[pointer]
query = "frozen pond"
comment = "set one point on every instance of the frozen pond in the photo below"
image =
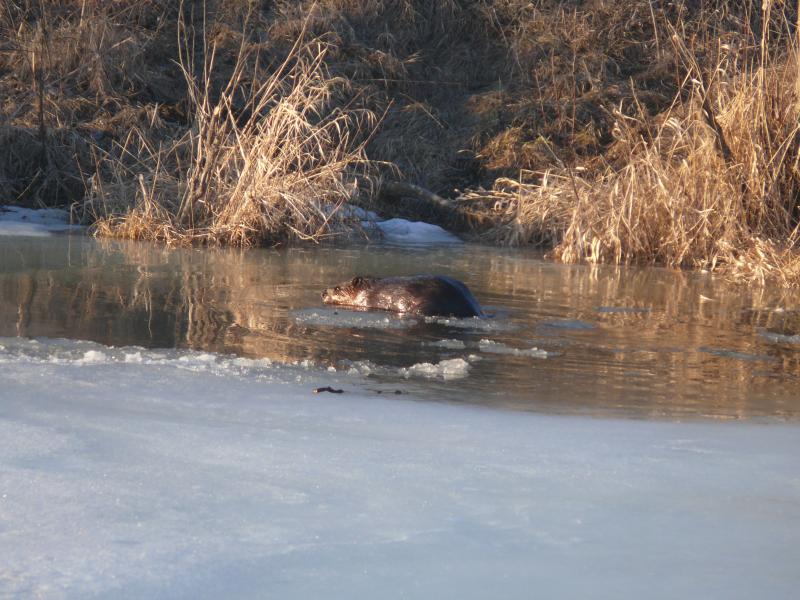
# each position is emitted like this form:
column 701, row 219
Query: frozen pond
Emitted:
column 561, row 339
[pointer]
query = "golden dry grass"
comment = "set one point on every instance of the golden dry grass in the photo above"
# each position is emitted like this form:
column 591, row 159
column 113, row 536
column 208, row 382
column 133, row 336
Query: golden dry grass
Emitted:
column 278, row 171
column 713, row 185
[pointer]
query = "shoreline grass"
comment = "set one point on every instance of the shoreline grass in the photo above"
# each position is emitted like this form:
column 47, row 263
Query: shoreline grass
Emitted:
column 713, row 183
column 650, row 133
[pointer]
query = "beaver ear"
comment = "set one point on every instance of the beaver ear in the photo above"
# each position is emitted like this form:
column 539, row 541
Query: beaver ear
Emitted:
column 357, row 281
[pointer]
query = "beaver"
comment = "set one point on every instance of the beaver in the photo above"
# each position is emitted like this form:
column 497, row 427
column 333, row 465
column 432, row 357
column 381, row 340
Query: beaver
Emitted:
column 430, row 295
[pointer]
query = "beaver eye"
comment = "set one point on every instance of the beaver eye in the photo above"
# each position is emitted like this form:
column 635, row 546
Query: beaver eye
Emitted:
column 357, row 281
column 337, row 289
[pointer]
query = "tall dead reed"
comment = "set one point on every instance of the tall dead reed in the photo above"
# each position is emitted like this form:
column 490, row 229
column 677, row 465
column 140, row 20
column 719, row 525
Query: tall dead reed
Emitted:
column 266, row 161
column 714, row 184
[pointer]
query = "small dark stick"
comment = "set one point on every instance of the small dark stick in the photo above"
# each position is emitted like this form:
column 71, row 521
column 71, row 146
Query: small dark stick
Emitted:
column 327, row 388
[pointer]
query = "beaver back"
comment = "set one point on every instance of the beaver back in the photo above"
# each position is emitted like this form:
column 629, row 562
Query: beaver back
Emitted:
column 428, row 295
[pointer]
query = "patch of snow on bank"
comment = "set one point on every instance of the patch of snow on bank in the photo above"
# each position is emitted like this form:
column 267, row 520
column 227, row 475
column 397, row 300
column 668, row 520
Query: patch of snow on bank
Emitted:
column 149, row 476
column 351, row 211
column 15, row 220
column 401, row 231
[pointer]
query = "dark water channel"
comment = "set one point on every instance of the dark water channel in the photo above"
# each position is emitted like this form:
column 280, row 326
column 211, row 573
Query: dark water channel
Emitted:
column 633, row 342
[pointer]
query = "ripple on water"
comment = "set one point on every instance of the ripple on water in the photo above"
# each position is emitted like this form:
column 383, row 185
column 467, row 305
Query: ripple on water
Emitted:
column 627, row 343
column 569, row 324
column 446, row 369
column 622, row 309
column 780, row 338
column 450, row 344
column 488, row 324
column 353, row 319
column 499, row 348
column 329, row 317
column 734, row 354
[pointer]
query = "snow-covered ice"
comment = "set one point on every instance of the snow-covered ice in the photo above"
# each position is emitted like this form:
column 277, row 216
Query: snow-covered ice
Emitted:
column 15, row 220
column 133, row 473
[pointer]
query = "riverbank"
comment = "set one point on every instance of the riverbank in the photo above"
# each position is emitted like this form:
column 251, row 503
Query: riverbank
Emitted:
column 623, row 134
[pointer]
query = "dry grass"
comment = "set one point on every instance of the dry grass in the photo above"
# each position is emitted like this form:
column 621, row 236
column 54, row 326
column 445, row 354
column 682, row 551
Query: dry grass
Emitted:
column 637, row 132
column 67, row 70
column 713, row 184
column 276, row 170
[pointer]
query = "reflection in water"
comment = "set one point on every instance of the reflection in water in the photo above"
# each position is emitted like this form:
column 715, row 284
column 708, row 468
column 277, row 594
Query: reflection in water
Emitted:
column 563, row 338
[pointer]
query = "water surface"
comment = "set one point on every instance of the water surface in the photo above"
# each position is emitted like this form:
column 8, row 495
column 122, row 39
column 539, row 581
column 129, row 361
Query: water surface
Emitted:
column 561, row 338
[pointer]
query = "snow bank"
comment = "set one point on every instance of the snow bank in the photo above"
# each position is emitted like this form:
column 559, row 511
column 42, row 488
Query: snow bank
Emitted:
column 401, row 231
column 15, row 220
column 131, row 473
column 396, row 231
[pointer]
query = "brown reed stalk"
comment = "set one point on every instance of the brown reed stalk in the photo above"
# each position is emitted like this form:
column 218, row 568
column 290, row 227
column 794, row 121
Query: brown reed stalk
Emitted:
column 272, row 169
column 715, row 188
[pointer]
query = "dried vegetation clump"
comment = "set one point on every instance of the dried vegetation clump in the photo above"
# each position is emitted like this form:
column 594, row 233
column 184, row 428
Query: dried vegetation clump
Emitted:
column 636, row 132
column 277, row 168
column 711, row 182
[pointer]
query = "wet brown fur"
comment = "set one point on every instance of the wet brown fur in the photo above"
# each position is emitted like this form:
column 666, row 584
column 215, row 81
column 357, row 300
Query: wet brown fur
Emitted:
column 429, row 295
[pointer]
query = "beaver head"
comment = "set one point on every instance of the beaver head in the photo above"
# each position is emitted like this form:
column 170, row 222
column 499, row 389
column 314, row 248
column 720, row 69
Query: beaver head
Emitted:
column 350, row 293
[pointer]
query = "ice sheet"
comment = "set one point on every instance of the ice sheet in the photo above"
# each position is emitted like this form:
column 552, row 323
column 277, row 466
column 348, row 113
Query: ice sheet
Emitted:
column 132, row 473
